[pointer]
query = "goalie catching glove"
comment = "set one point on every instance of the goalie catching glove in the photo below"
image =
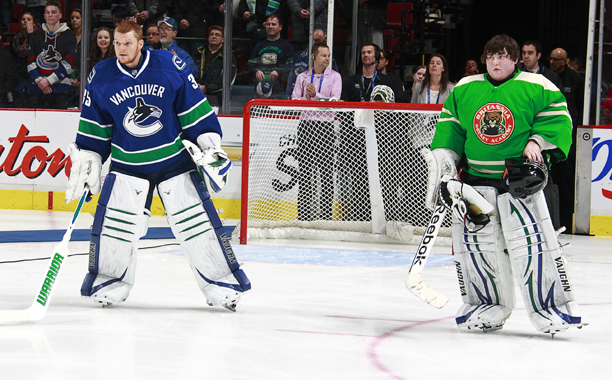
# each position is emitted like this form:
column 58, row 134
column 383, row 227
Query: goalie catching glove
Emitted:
column 212, row 162
column 85, row 172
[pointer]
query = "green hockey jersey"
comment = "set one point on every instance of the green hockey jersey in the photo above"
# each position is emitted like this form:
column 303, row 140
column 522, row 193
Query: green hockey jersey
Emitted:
column 485, row 124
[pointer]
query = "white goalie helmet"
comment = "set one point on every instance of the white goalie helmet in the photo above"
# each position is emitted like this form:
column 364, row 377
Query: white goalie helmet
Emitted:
column 382, row 93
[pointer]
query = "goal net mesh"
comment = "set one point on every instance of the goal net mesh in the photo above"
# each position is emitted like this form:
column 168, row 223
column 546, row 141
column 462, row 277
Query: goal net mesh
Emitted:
column 336, row 171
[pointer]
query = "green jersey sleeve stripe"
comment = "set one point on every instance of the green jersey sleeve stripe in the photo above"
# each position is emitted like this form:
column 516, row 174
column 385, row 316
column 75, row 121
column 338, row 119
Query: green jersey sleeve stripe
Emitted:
column 553, row 113
column 198, row 120
column 95, row 130
column 194, row 114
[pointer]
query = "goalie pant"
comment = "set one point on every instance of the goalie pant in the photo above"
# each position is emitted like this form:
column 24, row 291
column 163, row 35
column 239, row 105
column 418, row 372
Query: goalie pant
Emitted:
column 485, row 268
column 122, row 218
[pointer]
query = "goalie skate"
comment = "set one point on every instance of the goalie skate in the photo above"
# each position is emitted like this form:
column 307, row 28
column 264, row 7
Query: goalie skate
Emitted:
column 482, row 317
column 221, row 296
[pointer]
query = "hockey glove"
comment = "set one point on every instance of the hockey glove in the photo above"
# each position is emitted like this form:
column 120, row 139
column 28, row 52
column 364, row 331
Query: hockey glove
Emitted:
column 212, row 162
column 440, row 162
column 85, row 171
column 466, row 203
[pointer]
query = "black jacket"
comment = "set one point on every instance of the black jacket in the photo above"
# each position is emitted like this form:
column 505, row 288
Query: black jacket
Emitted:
column 573, row 89
column 210, row 73
column 352, row 90
column 8, row 75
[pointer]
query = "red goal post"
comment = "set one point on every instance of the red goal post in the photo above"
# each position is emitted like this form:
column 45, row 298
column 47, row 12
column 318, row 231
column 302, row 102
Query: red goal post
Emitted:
column 332, row 170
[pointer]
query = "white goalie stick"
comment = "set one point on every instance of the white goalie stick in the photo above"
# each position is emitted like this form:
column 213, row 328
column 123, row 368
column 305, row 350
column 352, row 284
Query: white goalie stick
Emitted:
column 414, row 281
column 468, row 205
column 39, row 307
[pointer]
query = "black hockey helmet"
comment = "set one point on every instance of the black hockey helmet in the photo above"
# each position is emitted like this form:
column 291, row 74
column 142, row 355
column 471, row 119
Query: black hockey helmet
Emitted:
column 524, row 177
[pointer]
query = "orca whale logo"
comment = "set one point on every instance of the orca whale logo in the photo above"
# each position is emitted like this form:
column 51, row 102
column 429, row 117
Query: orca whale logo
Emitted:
column 49, row 59
column 135, row 118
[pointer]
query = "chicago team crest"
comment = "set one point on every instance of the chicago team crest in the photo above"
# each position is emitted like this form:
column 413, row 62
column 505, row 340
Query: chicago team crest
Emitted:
column 135, row 118
column 493, row 123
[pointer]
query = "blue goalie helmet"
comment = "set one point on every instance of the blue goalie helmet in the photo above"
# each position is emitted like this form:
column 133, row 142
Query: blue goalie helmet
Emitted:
column 264, row 89
column 524, row 177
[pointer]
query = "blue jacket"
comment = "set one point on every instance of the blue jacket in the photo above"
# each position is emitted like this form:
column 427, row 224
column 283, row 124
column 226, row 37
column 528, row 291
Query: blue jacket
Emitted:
column 182, row 54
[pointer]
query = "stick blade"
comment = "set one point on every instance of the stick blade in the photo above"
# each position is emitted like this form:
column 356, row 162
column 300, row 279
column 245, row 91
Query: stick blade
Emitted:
column 415, row 284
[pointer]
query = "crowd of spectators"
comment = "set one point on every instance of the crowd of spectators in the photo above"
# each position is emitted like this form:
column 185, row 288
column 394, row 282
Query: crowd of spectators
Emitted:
column 272, row 50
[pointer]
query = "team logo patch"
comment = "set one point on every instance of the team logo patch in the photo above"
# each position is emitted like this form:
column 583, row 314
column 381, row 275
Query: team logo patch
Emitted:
column 91, row 75
column 178, row 63
column 493, row 123
column 49, row 59
column 143, row 119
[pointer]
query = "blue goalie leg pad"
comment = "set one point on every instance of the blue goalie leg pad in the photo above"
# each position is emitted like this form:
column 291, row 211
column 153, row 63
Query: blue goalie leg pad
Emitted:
column 222, row 237
column 96, row 229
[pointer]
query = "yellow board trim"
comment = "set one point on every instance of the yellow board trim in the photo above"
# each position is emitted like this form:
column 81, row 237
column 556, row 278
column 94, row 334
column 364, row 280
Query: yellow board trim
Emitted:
column 39, row 200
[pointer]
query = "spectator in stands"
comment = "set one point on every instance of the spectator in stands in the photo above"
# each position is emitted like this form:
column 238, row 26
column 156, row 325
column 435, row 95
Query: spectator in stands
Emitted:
column 146, row 11
column 398, row 84
column 101, row 47
column 152, row 37
column 272, row 59
column 316, row 137
column 358, row 87
column 192, row 18
column 302, row 62
column 120, row 14
column 217, row 16
column 531, row 53
column 167, row 31
column 6, row 11
column 35, row 7
column 210, row 66
column 8, row 76
column 418, row 75
column 300, row 18
column 436, row 82
column 20, row 45
column 75, row 23
column 471, row 68
column 51, row 61
column 563, row 173
column 576, row 64
column 256, row 12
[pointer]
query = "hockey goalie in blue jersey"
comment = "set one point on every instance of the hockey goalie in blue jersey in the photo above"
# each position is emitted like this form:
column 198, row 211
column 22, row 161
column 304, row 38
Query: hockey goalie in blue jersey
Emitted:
column 142, row 109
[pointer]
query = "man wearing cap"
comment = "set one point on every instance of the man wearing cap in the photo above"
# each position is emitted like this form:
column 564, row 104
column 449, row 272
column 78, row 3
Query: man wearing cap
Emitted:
column 167, row 31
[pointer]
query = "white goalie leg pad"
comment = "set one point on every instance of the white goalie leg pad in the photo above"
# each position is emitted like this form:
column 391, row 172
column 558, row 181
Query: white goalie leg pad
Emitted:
column 483, row 271
column 192, row 226
column 119, row 223
column 537, row 263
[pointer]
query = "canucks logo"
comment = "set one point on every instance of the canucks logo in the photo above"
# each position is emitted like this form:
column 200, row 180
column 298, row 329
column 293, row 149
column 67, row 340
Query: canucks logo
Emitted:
column 178, row 63
column 49, row 59
column 136, row 118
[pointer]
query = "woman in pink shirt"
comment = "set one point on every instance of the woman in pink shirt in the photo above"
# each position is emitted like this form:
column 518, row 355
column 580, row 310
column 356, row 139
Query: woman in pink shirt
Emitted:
column 316, row 137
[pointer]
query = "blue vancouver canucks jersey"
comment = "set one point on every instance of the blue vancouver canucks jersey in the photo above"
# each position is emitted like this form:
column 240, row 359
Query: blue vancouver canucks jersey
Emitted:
column 139, row 116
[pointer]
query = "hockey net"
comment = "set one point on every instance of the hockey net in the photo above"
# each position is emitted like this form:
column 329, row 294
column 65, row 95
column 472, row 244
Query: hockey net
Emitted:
column 336, row 171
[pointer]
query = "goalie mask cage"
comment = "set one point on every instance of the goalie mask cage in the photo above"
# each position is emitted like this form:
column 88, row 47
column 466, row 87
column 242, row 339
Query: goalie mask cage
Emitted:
column 331, row 170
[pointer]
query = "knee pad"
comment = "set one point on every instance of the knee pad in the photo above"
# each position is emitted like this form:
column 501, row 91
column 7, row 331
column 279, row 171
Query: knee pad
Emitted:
column 195, row 223
column 120, row 221
column 537, row 262
column 483, row 271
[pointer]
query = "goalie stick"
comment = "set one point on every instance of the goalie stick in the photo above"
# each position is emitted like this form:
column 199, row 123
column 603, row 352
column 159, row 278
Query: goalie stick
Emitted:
column 414, row 281
column 37, row 311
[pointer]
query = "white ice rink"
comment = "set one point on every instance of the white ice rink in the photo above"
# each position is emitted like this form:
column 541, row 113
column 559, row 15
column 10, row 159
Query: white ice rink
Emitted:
column 316, row 311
